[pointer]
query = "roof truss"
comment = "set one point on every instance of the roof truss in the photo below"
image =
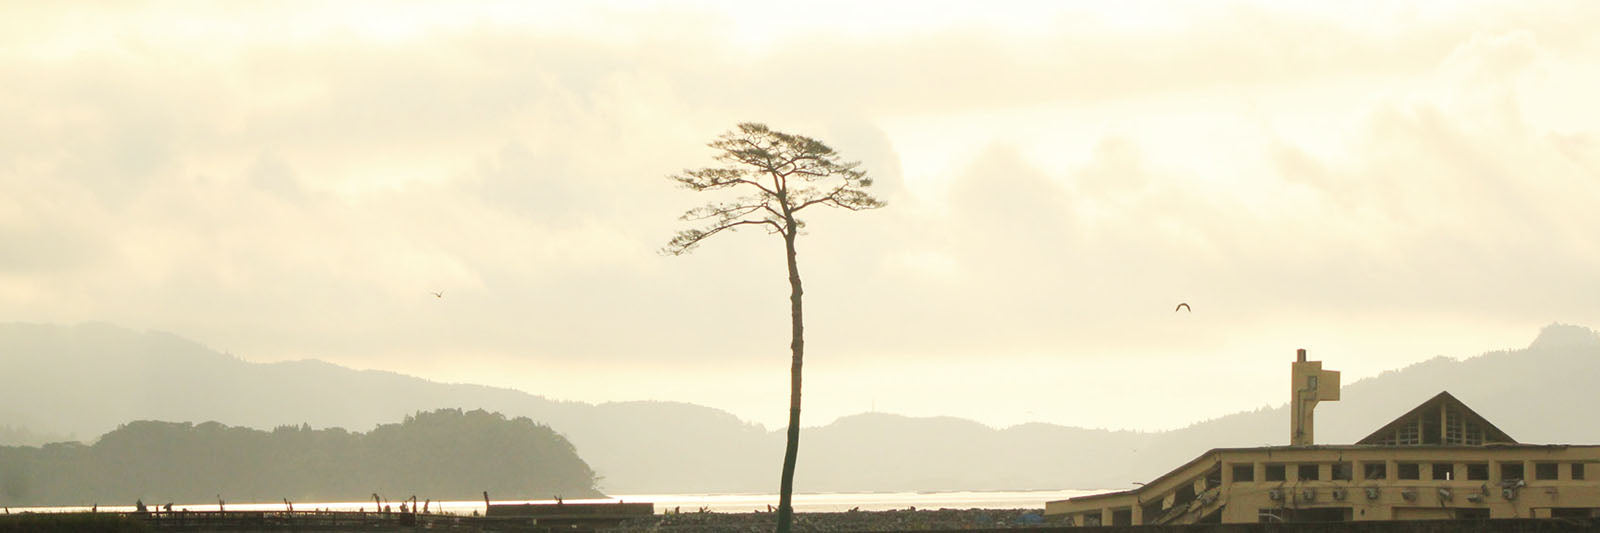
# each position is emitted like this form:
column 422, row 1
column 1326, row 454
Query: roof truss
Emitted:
column 1442, row 420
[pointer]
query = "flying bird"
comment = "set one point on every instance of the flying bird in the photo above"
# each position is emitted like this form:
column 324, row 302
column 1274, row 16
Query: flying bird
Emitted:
column 1184, row 305
column 437, row 294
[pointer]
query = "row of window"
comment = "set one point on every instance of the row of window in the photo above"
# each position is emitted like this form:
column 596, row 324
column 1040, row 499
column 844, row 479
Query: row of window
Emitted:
column 1246, row 472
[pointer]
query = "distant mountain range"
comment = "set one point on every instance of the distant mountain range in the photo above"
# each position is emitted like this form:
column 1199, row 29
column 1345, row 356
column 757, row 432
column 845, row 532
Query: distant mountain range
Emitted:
column 85, row 380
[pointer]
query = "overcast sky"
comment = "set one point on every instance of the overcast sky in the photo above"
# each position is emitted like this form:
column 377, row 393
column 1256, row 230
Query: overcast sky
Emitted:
column 1377, row 183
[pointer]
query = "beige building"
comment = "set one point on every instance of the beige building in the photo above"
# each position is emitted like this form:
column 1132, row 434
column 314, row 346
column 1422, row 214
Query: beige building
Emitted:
column 1441, row 460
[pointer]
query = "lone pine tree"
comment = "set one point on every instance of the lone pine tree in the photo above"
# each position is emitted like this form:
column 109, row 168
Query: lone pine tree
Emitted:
column 777, row 175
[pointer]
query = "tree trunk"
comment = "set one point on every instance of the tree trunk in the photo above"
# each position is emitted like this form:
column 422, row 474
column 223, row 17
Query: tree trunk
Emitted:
column 797, row 347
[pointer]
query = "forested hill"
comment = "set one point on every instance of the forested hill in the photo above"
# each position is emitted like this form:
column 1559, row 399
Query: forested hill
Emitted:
column 446, row 454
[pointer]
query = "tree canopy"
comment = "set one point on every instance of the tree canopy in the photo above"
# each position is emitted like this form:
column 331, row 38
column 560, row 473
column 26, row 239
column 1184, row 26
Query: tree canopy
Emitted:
column 779, row 174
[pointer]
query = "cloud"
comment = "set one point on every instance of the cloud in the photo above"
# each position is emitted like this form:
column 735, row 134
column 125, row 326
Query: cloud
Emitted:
column 272, row 174
column 289, row 184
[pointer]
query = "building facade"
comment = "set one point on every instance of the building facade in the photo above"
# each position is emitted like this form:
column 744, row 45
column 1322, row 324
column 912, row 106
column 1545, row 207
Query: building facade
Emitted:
column 1440, row 460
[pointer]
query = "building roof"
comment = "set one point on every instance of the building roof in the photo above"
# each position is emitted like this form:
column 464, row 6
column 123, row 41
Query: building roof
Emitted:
column 1473, row 431
column 1442, row 419
column 1216, row 455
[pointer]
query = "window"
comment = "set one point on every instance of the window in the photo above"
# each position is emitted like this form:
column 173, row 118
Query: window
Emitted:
column 1342, row 471
column 1444, row 471
column 1431, row 431
column 1407, row 434
column 1577, row 471
column 1453, row 428
column 1375, row 470
column 1474, row 434
column 1122, row 517
column 1477, row 472
column 1307, row 472
column 1510, row 471
column 1244, row 473
column 1275, row 473
column 1545, row 471
column 1183, row 495
column 1409, row 471
column 1151, row 509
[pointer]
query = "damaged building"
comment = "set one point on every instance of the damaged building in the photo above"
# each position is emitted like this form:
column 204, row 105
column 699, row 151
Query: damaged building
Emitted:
column 1440, row 460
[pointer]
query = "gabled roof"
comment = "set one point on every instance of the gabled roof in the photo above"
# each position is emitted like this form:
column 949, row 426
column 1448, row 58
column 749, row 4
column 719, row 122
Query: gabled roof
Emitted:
column 1442, row 420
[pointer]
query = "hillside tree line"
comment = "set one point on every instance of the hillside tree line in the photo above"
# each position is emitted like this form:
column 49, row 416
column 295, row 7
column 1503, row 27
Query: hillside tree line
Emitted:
column 447, row 454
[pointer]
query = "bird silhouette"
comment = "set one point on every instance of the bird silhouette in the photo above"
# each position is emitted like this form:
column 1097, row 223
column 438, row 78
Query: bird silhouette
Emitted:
column 1184, row 305
column 437, row 294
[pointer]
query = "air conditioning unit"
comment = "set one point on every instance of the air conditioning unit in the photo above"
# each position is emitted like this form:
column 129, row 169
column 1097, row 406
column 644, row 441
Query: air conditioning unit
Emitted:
column 1338, row 494
column 1372, row 493
column 1475, row 498
column 1308, row 495
column 1444, row 494
column 1275, row 495
column 1409, row 495
column 1509, row 493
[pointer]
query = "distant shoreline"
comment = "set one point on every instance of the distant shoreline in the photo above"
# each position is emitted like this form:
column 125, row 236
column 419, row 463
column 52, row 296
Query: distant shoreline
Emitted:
column 736, row 503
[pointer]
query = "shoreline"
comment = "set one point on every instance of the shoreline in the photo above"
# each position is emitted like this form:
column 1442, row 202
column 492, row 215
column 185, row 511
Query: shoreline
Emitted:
column 911, row 519
column 724, row 503
column 978, row 519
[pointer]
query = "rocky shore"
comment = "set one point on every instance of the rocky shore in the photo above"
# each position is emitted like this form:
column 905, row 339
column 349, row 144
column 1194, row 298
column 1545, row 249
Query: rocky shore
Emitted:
column 894, row 520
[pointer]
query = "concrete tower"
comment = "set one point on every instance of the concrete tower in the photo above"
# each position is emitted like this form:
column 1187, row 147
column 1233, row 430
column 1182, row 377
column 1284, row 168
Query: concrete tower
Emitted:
column 1308, row 384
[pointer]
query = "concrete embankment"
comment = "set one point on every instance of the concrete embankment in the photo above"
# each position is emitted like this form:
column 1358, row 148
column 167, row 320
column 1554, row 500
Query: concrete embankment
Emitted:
column 895, row 520
column 1006, row 520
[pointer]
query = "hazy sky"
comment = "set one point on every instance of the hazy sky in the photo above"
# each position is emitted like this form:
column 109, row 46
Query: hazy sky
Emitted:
column 1379, row 184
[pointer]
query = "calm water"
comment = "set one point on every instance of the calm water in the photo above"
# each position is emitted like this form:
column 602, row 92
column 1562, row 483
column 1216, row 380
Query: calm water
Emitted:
column 720, row 503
